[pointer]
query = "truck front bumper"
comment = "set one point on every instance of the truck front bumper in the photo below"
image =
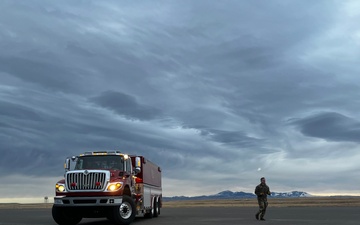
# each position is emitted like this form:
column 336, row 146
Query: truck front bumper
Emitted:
column 87, row 201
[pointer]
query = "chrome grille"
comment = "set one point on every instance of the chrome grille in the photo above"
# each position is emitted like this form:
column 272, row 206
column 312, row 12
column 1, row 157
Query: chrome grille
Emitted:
column 85, row 180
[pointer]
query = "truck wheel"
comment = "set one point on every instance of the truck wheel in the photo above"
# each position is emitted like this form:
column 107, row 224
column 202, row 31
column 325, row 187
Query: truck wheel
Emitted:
column 124, row 213
column 65, row 216
column 156, row 208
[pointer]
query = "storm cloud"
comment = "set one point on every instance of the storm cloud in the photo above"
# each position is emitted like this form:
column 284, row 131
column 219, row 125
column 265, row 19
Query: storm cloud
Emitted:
column 330, row 126
column 207, row 91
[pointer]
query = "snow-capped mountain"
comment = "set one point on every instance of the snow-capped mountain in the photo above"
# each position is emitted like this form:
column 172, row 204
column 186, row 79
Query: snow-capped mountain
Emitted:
column 292, row 194
column 239, row 195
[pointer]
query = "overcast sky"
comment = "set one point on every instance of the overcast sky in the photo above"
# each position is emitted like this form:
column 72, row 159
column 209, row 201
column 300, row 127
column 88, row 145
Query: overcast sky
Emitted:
column 218, row 93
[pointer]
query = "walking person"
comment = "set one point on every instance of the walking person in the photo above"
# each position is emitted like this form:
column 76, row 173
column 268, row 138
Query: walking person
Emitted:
column 262, row 191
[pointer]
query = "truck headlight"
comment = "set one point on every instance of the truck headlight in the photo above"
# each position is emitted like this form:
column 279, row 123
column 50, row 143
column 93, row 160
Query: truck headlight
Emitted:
column 59, row 187
column 114, row 186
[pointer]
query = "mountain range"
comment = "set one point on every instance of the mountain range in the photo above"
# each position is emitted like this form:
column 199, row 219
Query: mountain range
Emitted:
column 239, row 195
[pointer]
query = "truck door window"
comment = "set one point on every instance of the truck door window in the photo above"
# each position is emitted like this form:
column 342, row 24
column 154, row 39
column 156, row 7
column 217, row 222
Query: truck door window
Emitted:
column 128, row 166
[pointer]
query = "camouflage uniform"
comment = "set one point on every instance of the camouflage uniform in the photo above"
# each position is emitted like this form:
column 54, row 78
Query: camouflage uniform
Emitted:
column 262, row 191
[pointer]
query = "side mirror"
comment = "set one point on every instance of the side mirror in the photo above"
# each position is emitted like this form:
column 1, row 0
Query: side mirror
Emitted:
column 137, row 165
column 137, row 170
column 67, row 165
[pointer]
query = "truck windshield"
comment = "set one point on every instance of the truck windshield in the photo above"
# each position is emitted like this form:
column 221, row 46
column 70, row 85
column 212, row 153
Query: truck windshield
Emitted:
column 100, row 162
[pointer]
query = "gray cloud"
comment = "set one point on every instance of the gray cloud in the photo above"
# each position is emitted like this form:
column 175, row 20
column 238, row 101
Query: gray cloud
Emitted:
column 232, row 138
column 126, row 105
column 47, row 75
column 8, row 109
column 330, row 126
column 218, row 89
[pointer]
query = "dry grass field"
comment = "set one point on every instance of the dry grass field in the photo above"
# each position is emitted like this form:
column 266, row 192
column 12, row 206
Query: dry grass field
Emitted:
column 273, row 202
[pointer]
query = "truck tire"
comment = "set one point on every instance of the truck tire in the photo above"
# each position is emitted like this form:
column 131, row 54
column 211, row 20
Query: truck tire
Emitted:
column 65, row 216
column 124, row 213
column 156, row 208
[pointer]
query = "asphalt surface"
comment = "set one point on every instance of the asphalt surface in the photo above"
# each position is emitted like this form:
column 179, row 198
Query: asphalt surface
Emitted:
column 206, row 216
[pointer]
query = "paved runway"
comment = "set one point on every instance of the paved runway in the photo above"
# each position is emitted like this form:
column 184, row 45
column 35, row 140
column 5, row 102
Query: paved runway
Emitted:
column 206, row 216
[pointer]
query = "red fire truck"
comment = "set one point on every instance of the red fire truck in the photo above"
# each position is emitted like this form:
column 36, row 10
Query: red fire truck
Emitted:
column 107, row 184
